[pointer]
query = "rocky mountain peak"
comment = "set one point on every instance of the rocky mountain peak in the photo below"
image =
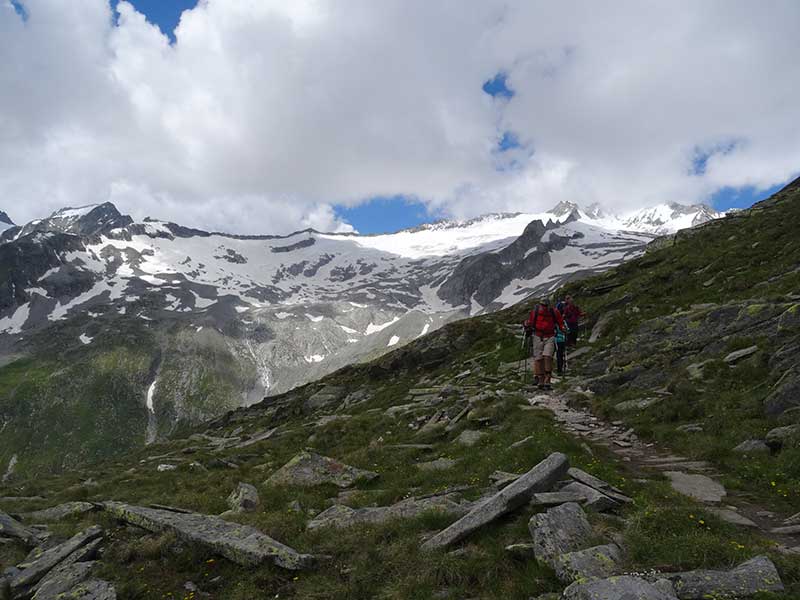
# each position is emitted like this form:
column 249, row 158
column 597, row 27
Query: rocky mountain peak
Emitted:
column 5, row 219
column 564, row 208
column 89, row 220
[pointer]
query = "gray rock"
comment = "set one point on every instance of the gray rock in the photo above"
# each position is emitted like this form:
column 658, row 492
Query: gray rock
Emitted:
column 93, row 589
column 241, row 544
column 599, row 485
column 600, row 326
column 62, row 511
column 67, row 570
column 470, row 437
column 787, row 530
column 733, row 517
column 325, row 397
column 501, row 479
column 777, row 437
column 344, row 516
column 556, row 498
column 751, row 447
column 699, row 487
column 540, row 478
column 440, row 464
column 244, row 498
column 756, row 575
column 740, row 354
column 690, row 428
column 62, row 580
column 785, row 397
column 11, row 528
column 593, row 563
column 631, row 405
column 560, row 530
column 309, row 469
column 695, row 370
column 32, row 572
column 624, row 587
column 592, row 498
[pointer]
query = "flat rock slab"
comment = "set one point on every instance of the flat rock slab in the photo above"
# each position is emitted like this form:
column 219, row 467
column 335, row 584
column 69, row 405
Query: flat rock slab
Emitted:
column 440, row 464
column 62, row 580
column 62, row 511
column 241, row 544
column 470, row 437
column 756, row 575
column 93, row 589
column 740, row 354
column 344, row 516
column 309, row 469
column 560, row 530
column 699, row 487
column 751, row 447
column 593, row 563
column 600, row 485
column 540, row 478
column 618, row 588
column 11, row 528
column 733, row 517
column 35, row 570
column 592, row 498
column 556, row 498
column 631, row 405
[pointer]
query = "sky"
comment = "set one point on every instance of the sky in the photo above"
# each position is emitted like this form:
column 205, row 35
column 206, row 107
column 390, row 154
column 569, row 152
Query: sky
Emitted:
column 268, row 116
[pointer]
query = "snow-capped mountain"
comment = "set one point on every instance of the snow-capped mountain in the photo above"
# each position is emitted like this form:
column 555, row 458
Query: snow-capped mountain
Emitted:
column 194, row 323
column 5, row 222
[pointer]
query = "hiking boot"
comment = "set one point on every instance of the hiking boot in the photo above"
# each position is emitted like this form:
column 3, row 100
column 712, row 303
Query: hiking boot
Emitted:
column 546, row 386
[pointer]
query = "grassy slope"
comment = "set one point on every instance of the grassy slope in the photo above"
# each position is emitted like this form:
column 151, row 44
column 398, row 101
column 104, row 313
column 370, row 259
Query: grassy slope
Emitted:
column 661, row 530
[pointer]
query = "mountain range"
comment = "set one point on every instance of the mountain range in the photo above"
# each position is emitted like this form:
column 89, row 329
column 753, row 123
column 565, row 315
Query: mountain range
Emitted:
column 148, row 326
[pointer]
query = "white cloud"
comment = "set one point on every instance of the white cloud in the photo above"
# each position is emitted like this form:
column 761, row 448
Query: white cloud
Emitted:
column 265, row 113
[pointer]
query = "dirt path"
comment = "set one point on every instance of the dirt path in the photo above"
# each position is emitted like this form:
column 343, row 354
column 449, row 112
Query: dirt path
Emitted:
column 646, row 459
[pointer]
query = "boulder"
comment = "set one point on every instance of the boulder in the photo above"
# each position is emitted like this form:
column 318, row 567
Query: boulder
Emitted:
column 93, row 589
column 751, row 447
column 754, row 576
column 593, row 563
column 325, row 397
column 62, row 511
column 344, row 516
column 244, row 498
column 522, row 551
column 733, row 517
column 631, row 405
column 11, row 528
column 35, row 570
column 777, row 437
column 560, row 530
column 617, row 588
column 540, row 478
column 309, row 469
column 699, row 487
column 241, row 544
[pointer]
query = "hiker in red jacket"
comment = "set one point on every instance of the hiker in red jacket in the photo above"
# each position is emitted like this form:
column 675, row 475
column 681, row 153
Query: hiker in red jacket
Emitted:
column 543, row 321
column 572, row 315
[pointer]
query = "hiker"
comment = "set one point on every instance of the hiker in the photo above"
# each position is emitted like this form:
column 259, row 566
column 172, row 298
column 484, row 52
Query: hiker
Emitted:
column 543, row 321
column 572, row 315
column 561, row 348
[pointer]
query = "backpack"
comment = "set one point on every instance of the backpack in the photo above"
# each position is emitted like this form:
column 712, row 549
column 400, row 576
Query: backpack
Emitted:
column 536, row 317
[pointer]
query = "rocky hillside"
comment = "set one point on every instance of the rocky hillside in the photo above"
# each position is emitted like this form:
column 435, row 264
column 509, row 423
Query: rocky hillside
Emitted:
column 665, row 465
column 115, row 333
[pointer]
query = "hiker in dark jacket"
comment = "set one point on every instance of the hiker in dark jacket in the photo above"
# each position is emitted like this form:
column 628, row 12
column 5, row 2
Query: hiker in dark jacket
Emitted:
column 543, row 321
column 572, row 315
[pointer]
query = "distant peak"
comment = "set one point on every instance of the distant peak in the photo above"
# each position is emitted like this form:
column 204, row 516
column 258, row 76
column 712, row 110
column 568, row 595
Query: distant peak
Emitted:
column 564, row 208
column 5, row 219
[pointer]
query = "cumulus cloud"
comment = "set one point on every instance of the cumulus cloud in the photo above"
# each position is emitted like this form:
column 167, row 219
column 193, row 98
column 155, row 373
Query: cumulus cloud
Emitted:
column 264, row 114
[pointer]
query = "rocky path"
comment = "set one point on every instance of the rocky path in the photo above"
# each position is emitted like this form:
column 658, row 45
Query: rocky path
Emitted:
column 696, row 479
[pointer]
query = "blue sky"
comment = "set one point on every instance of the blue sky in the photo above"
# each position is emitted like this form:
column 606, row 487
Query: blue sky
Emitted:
column 164, row 13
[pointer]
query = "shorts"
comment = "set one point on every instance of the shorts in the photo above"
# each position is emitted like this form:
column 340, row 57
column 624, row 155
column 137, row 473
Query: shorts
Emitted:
column 544, row 346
